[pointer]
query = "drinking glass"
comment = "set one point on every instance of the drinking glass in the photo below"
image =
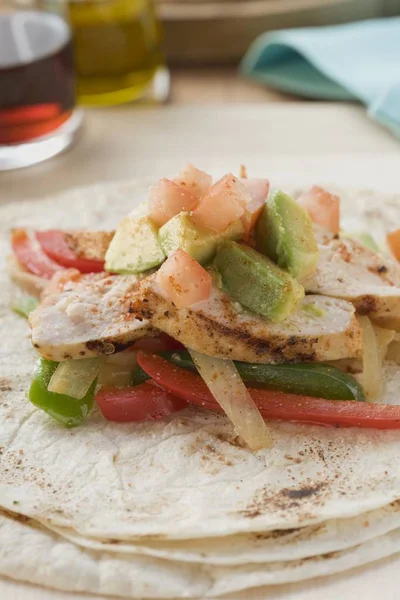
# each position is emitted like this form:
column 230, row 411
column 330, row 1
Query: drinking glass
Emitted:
column 38, row 114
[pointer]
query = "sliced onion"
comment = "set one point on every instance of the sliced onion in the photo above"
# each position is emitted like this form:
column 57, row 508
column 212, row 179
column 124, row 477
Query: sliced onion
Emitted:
column 389, row 323
column 117, row 369
column 384, row 338
column 394, row 352
column 74, row 377
column 371, row 376
column 225, row 384
column 31, row 284
column 123, row 359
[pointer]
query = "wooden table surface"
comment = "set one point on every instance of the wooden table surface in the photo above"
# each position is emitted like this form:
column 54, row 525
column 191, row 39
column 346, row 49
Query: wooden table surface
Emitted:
column 219, row 85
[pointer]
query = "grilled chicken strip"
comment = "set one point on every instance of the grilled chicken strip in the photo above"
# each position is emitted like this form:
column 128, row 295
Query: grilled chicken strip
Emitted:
column 322, row 329
column 88, row 317
column 347, row 269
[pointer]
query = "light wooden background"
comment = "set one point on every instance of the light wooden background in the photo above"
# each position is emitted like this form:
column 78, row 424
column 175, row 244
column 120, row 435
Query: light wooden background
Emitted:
column 199, row 85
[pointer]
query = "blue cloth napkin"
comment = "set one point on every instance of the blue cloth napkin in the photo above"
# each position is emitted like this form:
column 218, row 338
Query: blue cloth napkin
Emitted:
column 356, row 61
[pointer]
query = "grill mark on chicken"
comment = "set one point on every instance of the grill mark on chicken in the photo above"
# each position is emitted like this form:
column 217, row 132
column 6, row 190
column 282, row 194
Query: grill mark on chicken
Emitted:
column 259, row 345
column 138, row 311
column 104, row 347
column 98, row 346
column 366, row 305
column 217, row 329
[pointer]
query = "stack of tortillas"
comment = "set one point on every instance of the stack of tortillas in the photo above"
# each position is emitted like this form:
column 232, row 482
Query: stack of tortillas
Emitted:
column 178, row 508
column 221, row 30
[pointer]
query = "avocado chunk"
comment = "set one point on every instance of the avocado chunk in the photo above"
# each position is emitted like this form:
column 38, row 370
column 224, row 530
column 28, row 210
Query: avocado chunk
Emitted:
column 285, row 234
column 256, row 282
column 134, row 247
column 198, row 242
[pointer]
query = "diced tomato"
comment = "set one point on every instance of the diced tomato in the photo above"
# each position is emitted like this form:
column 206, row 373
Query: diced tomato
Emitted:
column 167, row 199
column 31, row 256
column 274, row 405
column 258, row 189
column 144, row 402
column 393, row 241
column 224, row 204
column 156, row 344
column 54, row 244
column 183, row 280
column 323, row 208
column 195, row 181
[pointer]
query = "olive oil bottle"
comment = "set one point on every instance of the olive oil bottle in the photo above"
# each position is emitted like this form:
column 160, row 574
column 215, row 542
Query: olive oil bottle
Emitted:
column 117, row 46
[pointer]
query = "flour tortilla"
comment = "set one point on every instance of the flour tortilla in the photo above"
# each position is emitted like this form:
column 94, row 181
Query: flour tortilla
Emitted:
column 279, row 545
column 184, row 478
column 32, row 553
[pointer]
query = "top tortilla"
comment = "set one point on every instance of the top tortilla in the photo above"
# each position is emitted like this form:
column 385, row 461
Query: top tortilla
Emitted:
column 184, row 477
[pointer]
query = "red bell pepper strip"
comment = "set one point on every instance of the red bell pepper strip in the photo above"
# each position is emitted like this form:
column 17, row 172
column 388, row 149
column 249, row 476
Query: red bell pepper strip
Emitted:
column 145, row 402
column 54, row 244
column 157, row 344
column 31, row 257
column 273, row 405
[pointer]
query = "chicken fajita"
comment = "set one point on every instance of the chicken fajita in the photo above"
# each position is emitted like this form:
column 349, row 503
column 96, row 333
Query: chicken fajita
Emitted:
column 229, row 295
column 205, row 397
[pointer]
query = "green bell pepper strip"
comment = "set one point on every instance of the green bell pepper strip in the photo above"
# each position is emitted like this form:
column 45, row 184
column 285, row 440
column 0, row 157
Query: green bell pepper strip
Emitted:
column 139, row 376
column 65, row 409
column 304, row 379
column 24, row 305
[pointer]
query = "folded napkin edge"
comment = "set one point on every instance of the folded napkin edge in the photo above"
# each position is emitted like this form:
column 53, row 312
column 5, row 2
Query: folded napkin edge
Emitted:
column 258, row 47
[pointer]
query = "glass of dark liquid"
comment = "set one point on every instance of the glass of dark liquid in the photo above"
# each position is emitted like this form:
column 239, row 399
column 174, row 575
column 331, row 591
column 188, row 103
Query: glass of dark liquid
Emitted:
column 38, row 114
